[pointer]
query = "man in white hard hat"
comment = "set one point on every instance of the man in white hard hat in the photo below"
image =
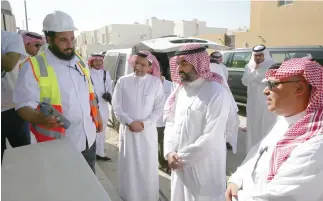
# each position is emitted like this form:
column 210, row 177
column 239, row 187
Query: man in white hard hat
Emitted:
column 59, row 77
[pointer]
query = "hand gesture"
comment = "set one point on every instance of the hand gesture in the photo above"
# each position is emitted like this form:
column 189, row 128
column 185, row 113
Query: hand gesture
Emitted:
column 136, row 126
column 232, row 191
column 174, row 161
column 51, row 122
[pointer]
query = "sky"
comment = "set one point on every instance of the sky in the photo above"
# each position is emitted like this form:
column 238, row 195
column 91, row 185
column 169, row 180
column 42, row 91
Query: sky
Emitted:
column 94, row 14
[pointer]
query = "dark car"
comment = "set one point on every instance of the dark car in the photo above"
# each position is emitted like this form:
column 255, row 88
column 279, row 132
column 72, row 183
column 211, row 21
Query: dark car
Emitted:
column 236, row 60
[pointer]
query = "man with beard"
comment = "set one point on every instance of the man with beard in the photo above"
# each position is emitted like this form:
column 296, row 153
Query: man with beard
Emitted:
column 61, row 79
column 287, row 164
column 103, row 88
column 138, row 102
column 260, row 119
column 196, row 116
column 216, row 58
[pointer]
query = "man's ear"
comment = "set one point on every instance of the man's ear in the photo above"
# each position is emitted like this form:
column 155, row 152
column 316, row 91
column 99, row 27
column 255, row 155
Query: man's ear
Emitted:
column 301, row 88
column 49, row 40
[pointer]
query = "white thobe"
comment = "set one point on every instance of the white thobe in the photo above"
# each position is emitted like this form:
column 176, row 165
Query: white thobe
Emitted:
column 74, row 91
column 10, row 42
column 197, row 133
column 299, row 178
column 98, row 83
column 168, row 87
column 260, row 120
column 233, row 123
column 138, row 99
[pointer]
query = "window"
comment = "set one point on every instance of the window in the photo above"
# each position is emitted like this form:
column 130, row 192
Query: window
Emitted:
column 240, row 59
column 121, row 65
column 281, row 56
column 284, row 2
column 103, row 38
column 110, row 63
column 226, row 58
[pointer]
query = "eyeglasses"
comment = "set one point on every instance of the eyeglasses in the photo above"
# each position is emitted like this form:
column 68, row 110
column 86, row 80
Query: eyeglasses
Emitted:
column 272, row 84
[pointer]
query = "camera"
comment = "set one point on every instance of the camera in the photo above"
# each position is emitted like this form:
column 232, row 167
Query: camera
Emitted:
column 107, row 97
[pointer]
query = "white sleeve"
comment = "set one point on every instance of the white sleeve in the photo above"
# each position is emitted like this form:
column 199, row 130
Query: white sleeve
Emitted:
column 299, row 178
column 108, row 83
column 169, row 133
column 215, row 125
column 158, row 106
column 26, row 92
column 247, row 166
column 249, row 76
column 117, row 104
column 16, row 44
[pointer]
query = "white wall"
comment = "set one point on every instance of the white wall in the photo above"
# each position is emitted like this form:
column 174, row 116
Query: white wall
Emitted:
column 128, row 33
column 87, row 50
column 194, row 28
column 214, row 30
column 102, row 35
column 160, row 27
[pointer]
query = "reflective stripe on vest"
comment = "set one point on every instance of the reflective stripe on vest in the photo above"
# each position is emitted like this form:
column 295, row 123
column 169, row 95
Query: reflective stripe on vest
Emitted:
column 49, row 93
column 93, row 102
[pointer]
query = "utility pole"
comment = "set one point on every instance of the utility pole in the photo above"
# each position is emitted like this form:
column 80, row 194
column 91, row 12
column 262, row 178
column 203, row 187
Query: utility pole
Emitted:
column 26, row 16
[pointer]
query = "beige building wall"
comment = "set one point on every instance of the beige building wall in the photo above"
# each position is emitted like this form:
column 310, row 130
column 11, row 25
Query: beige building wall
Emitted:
column 218, row 38
column 297, row 24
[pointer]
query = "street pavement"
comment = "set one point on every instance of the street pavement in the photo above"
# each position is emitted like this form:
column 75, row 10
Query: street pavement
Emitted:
column 107, row 172
column 111, row 149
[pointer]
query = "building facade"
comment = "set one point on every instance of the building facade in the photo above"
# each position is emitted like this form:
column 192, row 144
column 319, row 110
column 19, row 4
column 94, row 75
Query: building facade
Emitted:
column 283, row 23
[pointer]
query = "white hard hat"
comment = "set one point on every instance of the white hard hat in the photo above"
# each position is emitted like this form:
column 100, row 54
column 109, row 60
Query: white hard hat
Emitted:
column 58, row 21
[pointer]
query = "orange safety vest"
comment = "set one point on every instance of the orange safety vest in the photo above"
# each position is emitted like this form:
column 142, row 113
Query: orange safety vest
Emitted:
column 49, row 92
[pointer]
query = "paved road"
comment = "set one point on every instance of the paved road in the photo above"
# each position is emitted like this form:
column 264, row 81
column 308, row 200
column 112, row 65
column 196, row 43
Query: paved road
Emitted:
column 111, row 148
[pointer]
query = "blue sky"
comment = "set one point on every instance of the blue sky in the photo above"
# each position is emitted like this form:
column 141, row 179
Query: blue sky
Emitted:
column 94, row 14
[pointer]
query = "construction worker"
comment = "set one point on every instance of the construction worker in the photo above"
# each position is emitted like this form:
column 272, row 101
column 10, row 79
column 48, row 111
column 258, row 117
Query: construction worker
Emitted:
column 59, row 77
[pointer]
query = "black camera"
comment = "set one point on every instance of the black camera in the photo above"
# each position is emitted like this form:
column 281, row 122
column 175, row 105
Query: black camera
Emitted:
column 107, row 97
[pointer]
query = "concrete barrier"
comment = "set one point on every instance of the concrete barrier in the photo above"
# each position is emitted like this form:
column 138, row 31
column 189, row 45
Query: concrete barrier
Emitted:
column 49, row 171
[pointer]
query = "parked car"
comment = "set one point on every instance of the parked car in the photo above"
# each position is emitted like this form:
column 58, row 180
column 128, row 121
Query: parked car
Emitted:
column 115, row 61
column 236, row 60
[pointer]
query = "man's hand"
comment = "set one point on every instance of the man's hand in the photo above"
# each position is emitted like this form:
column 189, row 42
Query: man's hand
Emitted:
column 51, row 122
column 174, row 161
column 9, row 61
column 33, row 116
column 136, row 126
column 232, row 191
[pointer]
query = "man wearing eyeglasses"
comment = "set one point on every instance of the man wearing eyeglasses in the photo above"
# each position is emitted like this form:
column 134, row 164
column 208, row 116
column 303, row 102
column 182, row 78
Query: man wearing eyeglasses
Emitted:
column 33, row 42
column 287, row 165
column 259, row 120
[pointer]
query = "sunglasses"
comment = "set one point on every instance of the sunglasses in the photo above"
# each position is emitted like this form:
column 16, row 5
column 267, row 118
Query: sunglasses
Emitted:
column 272, row 84
column 38, row 45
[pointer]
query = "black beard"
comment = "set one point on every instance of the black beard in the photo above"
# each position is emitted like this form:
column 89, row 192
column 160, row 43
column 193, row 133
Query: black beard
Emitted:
column 61, row 55
column 188, row 77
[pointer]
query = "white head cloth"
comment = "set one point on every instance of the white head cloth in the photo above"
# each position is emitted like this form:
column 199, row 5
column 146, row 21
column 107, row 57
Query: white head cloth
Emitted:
column 260, row 49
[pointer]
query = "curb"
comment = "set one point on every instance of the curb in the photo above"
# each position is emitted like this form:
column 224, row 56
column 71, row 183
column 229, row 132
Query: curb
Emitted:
column 106, row 184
